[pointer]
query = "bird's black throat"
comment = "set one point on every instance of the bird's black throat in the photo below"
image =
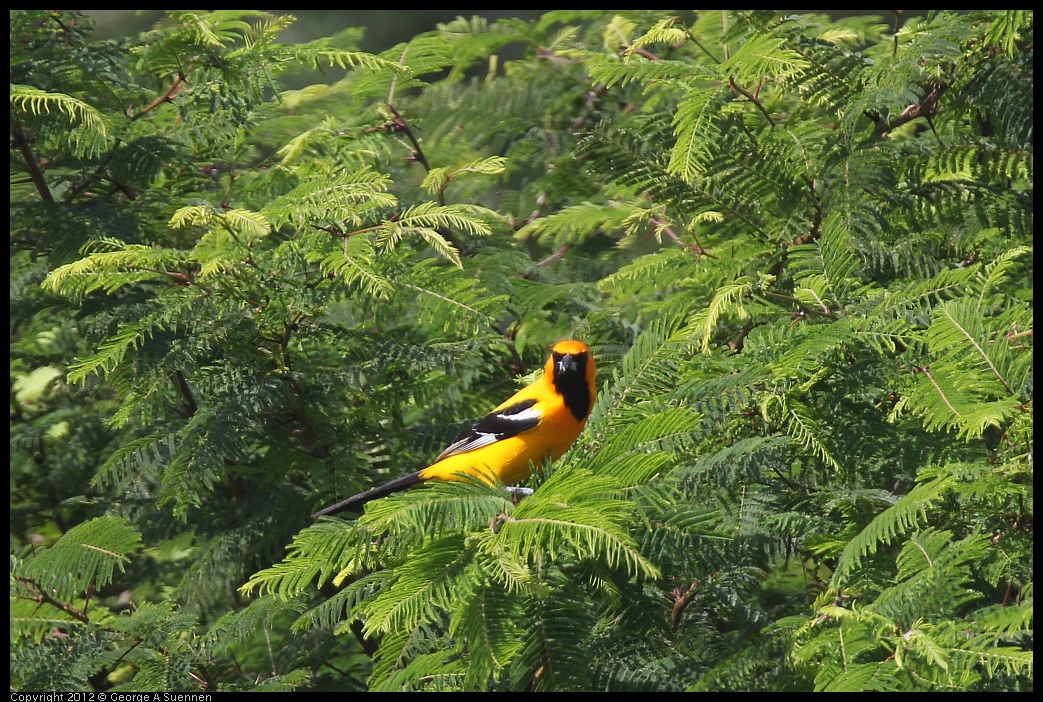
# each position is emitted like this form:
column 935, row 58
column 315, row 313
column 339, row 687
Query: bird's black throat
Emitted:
column 571, row 382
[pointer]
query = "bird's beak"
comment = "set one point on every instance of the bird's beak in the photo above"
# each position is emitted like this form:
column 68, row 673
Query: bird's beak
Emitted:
column 567, row 362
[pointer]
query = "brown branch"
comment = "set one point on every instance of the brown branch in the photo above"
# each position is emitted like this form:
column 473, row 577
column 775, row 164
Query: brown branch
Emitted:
column 442, row 231
column 399, row 124
column 87, row 598
column 930, row 123
column 77, row 188
column 552, row 57
column 751, row 97
column 1009, row 592
column 898, row 23
column 824, row 311
column 704, row 49
column 739, row 341
column 556, row 256
column 541, row 200
column 57, row 20
column 681, row 603
column 694, row 246
column 927, row 108
column 647, row 54
column 172, row 92
column 339, row 233
column 188, row 404
column 42, row 597
column 21, row 138
column 785, row 481
column 115, row 664
column 179, row 278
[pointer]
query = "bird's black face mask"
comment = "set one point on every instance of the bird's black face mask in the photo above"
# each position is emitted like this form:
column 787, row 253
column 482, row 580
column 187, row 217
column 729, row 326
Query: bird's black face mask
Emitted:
column 570, row 378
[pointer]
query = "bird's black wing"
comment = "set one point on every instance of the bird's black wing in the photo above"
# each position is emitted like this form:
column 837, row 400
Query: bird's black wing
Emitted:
column 495, row 426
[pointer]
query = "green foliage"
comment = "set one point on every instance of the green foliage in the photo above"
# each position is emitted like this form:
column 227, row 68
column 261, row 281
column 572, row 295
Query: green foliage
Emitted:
column 799, row 248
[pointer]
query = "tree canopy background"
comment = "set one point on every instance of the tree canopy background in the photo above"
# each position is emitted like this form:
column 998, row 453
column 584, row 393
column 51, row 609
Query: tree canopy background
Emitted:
column 798, row 246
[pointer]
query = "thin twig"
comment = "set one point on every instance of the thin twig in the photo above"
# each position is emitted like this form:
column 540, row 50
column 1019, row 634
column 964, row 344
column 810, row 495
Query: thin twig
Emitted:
column 694, row 246
column 42, row 597
column 751, row 97
column 399, row 124
column 646, row 53
column 898, row 19
column 704, row 49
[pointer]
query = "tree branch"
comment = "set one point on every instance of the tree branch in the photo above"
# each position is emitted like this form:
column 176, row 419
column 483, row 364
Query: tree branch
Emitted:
column 681, row 602
column 21, row 138
column 751, row 97
column 556, row 256
column 172, row 92
column 927, row 108
column 675, row 237
column 42, row 597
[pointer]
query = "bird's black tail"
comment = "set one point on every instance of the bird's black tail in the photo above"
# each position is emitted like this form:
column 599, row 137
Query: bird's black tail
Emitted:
column 355, row 502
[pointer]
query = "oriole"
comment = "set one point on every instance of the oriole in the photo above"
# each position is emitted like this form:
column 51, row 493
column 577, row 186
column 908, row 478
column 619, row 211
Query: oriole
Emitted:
column 543, row 418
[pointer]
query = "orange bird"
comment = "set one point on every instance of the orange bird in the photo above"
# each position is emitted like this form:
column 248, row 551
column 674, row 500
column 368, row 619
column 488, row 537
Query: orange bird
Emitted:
column 542, row 419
